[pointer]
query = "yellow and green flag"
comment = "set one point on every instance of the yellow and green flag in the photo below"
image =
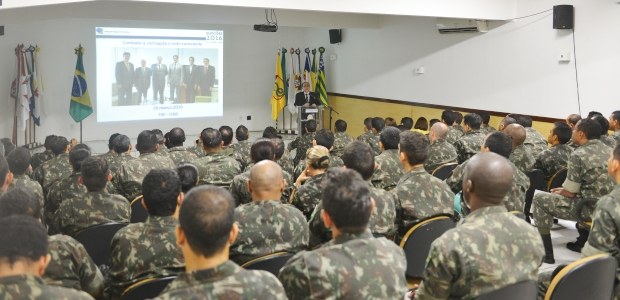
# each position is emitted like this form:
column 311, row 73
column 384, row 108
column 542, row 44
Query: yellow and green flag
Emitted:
column 278, row 98
column 80, row 106
column 320, row 89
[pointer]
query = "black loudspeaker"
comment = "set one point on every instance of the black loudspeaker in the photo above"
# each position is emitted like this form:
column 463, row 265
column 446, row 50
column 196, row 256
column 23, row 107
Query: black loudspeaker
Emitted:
column 563, row 17
column 335, row 36
column 1, row 30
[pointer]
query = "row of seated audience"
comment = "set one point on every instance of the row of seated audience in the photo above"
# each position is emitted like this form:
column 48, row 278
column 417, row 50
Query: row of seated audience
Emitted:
column 348, row 217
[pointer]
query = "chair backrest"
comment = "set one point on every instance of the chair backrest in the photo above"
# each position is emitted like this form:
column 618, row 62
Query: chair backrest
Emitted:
column 589, row 278
column 557, row 179
column 444, row 171
column 147, row 288
column 417, row 242
column 97, row 239
column 271, row 263
column 524, row 290
column 138, row 212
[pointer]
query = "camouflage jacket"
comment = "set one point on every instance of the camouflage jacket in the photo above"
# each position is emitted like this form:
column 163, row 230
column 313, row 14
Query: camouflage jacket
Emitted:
column 18, row 287
column 217, row 169
column 468, row 145
column 486, row 129
column 196, row 150
column 134, row 171
column 341, row 140
column 334, row 162
column 553, row 159
column 181, row 155
column 616, row 135
column 227, row 150
column 522, row 158
column 587, row 171
column 466, row 261
column 534, row 141
column 239, row 188
column 115, row 164
column 94, row 208
column 286, row 163
column 226, row 281
column 420, row 195
column 39, row 158
column 453, row 135
column 608, row 140
column 72, row 267
column 308, row 195
column 52, row 170
column 241, row 153
column 143, row 250
column 440, row 152
column 514, row 200
column 65, row 188
column 25, row 183
column 302, row 144
column 389, row 170
column 267, row 227
column 351, row 266
column 372, row 140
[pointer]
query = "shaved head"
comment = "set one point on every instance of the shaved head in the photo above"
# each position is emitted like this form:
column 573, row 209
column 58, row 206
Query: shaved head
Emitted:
column 439, row 131
column 517, row 133
column 266, row 181
column 487, row 180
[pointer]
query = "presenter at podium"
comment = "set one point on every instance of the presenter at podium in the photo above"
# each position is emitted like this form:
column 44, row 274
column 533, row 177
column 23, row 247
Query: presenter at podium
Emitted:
column 306, row 98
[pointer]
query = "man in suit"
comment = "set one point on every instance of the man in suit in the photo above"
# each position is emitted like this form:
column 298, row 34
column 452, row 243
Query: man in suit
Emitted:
column 190, row 80
column 124, row 79
column 143, row 80
column 159, row 79
column 306, row 98
column 207, row 78
column 175, row 73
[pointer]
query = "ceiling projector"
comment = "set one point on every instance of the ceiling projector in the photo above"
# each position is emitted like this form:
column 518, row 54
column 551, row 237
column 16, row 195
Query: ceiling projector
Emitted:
column 266, row 27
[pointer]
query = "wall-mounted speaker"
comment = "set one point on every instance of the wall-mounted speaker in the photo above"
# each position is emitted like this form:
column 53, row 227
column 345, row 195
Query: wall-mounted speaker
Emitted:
column 563, row 17
column 1, row 30
column 335, row 36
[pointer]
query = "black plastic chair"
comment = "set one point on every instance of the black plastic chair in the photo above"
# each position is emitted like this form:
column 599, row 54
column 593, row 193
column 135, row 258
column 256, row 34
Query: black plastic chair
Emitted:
column 97, row 239
column 271, row 263
column 138, row 212
column 147, row 288
column 524, row 290
column 444, row 171
column 557, row 179
column 537, row 182
column 417, row 242
column 589, row 278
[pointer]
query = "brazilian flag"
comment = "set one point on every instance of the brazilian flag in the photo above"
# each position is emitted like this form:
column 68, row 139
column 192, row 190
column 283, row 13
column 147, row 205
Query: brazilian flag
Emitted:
column 80, row 106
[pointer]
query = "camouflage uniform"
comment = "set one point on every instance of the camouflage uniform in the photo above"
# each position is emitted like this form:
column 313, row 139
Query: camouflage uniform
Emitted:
column 266, row 227
column 608, row 140
column 162, row 150
column 440, row 152
column 420, row 195
column 453, row 135
column 226, row 150
column 616, row 135
column 239, row 188
column 351, row 266
column 226, row 281
column 94, row 208
column 334, row 162
column 115, row 165
column 514, row 200
column 196, row 150
column 522, row 158
column 143, row 250
column 388, row 171
column 534, row 141
column 341, row 140
column 25, row 183
column 372, row 140
column 302, row 144
column 470, row 260
column 32, row 287
column 134, row 171
column 181, row 155
column 286, row 163
column 468, row 145
column 553, row 159
column 308, row 195
column 39, row 158
column 459, row 127
column 52, row 170
column 587, row 178
column 241, row 152
column 486, row 129
column 381, row 223
column 217, row 169
column 65, row 188
column 72, row 267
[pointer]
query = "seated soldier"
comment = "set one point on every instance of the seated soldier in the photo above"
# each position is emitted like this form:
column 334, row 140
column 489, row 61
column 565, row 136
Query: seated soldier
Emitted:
column 341, row 138
column 471, row 259
column 614, row 125
column 520, row 156
column 108, row 156
column 307, row 191
column 360, row 157
column 388, row 170
column 369, row 137
column 407, row 123
column 122, row 147
column 178, row 153
column 241, row 149
column 354, row 265
column 469, row 144
column 161, row 142
column 55, row 168
column 448, row 117
column 534, row 141
column 214, row 167
column 6, row 177
column 96, row 207
column 304, row 142
column 188, row 174
column 323, row 138
column 586, row 179
column 70, row 266
column 440, row 152
column 24, row 255
column 206, row 231
column 458, row 118
column 505, row 122
column 266, row 225
column 41, row 157
column 418, row 194
column 227, row 137
column 605, row 138
column 283, row 157
column 555, row 158
column 19, row 163
column 486, row 118
column 262, row 149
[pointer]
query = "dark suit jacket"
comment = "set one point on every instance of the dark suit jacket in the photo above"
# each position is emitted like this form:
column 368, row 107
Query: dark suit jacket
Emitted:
column 124, row 77
column 191, row 78
column 300, row 99
column 159, row 76
column 207, row 78
column 143, row 78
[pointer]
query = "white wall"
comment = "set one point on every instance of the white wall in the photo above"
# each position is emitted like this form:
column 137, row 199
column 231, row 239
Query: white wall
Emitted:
column 512, row 68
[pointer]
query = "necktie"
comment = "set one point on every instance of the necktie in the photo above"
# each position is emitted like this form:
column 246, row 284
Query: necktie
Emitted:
column 307, row 100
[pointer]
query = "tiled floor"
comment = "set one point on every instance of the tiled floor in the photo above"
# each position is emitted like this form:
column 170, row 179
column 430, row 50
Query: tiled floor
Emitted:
column 561, row 234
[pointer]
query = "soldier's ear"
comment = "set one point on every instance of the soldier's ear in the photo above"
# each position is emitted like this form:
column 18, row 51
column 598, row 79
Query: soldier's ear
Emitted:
column 327, row 220
column 81, row 180
column 42, row 263
column 234, row 231
column 250, row 186
column 8, row 179
column 180, row 235
column 373, row 204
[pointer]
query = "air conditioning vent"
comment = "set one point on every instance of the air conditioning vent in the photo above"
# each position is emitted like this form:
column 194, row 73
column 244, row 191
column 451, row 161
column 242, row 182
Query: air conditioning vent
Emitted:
column 447, row 25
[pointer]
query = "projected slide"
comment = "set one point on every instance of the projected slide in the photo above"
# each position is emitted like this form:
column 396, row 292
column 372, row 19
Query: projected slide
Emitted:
column 146, row 74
